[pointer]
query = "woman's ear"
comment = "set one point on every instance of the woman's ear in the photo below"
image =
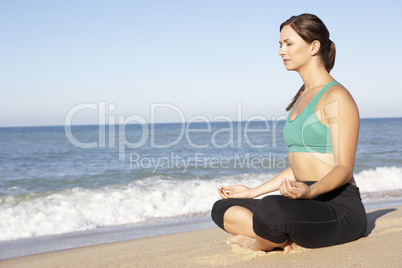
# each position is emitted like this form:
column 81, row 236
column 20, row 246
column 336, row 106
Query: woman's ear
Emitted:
column 315, row 47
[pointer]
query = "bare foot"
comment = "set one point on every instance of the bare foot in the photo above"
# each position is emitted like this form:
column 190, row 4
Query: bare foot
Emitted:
column 242, row 240
column 255, row 245
column 288, row 247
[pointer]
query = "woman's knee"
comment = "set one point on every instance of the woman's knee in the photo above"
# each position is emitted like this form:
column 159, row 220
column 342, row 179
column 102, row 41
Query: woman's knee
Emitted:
column 221, row 206
column 218, row 211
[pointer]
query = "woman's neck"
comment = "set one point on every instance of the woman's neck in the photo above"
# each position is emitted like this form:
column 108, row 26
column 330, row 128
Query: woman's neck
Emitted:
column 314, row 76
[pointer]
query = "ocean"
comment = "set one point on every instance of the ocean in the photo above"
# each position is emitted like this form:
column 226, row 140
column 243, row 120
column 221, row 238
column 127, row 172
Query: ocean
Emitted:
column 65, row 187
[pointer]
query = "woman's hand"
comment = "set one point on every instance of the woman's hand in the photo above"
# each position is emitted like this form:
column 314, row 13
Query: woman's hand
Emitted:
column 237, row 191
column 295, row 189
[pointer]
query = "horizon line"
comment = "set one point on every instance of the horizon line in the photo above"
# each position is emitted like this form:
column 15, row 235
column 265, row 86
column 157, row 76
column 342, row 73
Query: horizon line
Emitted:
column 161, row 123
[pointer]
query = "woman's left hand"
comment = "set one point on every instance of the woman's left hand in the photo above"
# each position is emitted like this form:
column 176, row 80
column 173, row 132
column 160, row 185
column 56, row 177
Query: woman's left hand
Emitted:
column 295, row 189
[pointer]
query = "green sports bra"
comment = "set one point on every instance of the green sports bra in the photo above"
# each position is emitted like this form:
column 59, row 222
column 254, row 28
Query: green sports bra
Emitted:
column 306, row 133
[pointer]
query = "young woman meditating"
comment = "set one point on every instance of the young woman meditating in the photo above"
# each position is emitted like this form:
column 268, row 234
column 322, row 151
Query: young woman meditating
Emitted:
column 319, row 203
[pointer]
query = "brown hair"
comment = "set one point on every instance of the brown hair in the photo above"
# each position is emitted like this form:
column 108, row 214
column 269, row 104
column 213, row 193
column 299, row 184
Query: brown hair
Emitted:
column 310, row 28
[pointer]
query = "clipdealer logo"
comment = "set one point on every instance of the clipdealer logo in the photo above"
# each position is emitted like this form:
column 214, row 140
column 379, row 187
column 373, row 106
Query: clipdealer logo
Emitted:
column 238, row 131
column 200, row 160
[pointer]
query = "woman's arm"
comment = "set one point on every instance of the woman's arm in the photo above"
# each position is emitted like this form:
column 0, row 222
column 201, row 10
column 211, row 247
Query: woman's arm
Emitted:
column 241, row 191
column 273, row 184
column 343, row 120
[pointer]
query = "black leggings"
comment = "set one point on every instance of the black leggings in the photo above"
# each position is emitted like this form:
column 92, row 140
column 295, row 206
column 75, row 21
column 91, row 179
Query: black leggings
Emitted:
column 329, row 219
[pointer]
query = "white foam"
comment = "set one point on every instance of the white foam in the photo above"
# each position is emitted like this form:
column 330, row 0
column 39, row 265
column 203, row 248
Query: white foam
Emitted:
column 151, row 198
column 83, row 209
column 379, row 179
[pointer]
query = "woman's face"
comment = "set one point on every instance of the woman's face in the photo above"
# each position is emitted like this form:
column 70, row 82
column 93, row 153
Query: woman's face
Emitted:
column 294, row 51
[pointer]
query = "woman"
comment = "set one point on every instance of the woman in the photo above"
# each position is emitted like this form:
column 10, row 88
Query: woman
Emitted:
column 320, row 203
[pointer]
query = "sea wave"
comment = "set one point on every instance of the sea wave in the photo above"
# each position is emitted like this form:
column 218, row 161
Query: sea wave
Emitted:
column 78, row 209
column 151, row 198
column 379, row 179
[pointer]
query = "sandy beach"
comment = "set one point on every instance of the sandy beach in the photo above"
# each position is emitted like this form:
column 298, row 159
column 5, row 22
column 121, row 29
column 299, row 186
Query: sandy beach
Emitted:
column 207, row 248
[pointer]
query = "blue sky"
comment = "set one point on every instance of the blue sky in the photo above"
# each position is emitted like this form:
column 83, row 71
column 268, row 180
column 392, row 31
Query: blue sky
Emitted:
column 201, row 57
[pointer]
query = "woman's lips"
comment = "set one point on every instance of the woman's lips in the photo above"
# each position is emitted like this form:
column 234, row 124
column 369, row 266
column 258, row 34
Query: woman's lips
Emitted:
column 286, row 61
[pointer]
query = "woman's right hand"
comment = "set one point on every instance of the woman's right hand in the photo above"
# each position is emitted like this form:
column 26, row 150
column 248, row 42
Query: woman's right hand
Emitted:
column 237, row 191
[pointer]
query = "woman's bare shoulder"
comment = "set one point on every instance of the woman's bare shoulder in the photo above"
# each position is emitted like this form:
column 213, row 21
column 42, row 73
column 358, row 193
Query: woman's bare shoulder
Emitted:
column 337, row 101
column 337, row 92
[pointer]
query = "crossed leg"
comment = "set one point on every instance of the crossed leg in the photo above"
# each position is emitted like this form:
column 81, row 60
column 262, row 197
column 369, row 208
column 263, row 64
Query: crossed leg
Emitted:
column 238, row 221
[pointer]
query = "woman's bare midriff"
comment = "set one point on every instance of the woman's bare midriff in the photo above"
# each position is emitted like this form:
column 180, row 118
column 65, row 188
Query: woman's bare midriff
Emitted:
column 312, row 166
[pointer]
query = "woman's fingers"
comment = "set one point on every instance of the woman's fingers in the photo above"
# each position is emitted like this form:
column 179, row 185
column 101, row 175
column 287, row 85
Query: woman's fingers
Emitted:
column 220, row 192
column 295, row 190
column 236, row 191
column 224, row 191
column 286, row 189
column 283, row 189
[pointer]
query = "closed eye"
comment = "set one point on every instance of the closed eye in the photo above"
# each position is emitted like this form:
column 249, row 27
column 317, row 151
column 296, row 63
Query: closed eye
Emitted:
column 280, row 46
